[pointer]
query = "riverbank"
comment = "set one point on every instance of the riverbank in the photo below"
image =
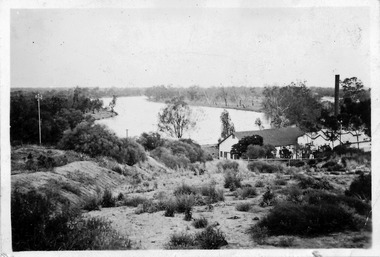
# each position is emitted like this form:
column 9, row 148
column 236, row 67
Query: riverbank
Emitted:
column 255, row 108
column 103, row 114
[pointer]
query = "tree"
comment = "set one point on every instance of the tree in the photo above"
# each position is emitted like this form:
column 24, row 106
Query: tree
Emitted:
column 240, row 148
column 227, row 126
column 175, row 118
column 259, row 123
column 113, row 102
column 292, row 104
column 352, row 88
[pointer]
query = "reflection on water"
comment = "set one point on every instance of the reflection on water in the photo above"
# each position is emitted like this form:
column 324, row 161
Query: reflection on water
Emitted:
column 137, row 115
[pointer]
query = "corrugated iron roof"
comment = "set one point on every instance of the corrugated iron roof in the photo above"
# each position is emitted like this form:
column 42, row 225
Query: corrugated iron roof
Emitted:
column 275, row 137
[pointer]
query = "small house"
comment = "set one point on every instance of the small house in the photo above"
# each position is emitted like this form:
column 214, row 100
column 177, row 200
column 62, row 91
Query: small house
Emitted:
column 279, row 138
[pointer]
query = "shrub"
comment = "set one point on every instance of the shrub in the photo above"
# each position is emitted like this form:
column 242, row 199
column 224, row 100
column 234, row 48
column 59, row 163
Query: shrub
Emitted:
column 258, row 233
column 227, row 165
column 333, row 166
column 243, row 207
column 210, row 238
column 147, row 206
column 150, row 141
column 188, row 215
column 259, row 183
column 184, row 203
column 268, row 198
column 120, row 196
column 46, row 162
column 294, row 219
column 295, row 163
column 360, row 187
column 213, row 195
column 280, row 182
column 232, row 180
column 317, row 197
column 264, row 167
column 247, row 192
column 314, row 183
column 185, row 189
column 97, row 140
column 200, row 223
column 92, row 204
column 170, row 207
column 134, row 201
column 39, row 223
column 171, row 161
column 108, row 200
column 181, row 241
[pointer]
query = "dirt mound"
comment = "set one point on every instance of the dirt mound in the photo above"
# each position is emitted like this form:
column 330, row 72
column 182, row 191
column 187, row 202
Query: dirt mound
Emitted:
column 75, row 181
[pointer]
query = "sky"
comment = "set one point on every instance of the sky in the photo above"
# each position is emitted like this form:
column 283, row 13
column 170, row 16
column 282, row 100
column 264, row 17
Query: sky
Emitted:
column 188, row 46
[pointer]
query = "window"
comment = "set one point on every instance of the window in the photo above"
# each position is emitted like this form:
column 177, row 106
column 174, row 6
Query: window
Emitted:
column 225, row 155
column 221, row 153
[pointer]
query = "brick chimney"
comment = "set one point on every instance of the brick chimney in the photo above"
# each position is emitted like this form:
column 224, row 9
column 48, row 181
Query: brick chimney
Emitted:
column 336, row 96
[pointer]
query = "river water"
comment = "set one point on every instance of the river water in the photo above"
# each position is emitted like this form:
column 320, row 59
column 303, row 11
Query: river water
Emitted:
column 137, row 115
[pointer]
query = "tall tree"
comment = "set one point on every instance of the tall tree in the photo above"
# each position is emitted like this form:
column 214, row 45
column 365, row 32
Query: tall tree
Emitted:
column 227, row 126
column 291, row 105
column 175, row 118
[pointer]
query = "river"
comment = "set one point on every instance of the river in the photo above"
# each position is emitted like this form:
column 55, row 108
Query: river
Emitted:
column 138, row 115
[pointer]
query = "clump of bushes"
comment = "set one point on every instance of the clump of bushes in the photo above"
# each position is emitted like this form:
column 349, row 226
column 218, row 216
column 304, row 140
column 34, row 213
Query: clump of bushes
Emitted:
column 97, row 140
column 184, row 203
column 210, row 238
column 243, row 207
column 185, row 189
column 200, row 223
column 307, row 219
column 133, row 201
column 247, row 192
column 305, row 182
column 265, row 167
column 41, row 223
column 181, row 241
column 232, row 180
column 179, row 153
column 295, row 163
column 227, row 165
column 333, row 166
column 361, row 187
column 212, row 194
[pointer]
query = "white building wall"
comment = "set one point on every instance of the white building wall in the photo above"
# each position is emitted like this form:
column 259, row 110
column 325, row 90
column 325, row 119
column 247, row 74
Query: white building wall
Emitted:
column 317, row 141
column 225, row 147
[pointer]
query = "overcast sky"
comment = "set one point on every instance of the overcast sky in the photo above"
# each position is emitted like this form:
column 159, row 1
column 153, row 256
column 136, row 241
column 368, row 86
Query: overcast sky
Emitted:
column 183, row 47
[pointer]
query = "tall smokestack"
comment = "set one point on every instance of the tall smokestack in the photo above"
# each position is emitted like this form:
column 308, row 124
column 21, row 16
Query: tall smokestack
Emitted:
column 336, row 100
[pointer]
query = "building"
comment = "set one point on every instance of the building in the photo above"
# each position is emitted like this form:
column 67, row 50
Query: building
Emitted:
column 354, row 139
column 279, row 138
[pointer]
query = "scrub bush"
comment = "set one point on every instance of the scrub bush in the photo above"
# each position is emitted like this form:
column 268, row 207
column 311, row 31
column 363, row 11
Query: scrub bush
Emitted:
column 41, row 223
column 200, row 223
column 265, row 167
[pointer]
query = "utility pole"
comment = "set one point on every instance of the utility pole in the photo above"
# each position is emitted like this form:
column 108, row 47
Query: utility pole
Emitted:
column 39, row 98
column 126, row 132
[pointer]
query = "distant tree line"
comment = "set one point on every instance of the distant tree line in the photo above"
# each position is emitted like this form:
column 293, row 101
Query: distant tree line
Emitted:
column 91, row 92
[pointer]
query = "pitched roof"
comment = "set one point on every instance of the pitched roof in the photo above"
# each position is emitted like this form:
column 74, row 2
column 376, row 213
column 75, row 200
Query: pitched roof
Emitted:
column 275, row 137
